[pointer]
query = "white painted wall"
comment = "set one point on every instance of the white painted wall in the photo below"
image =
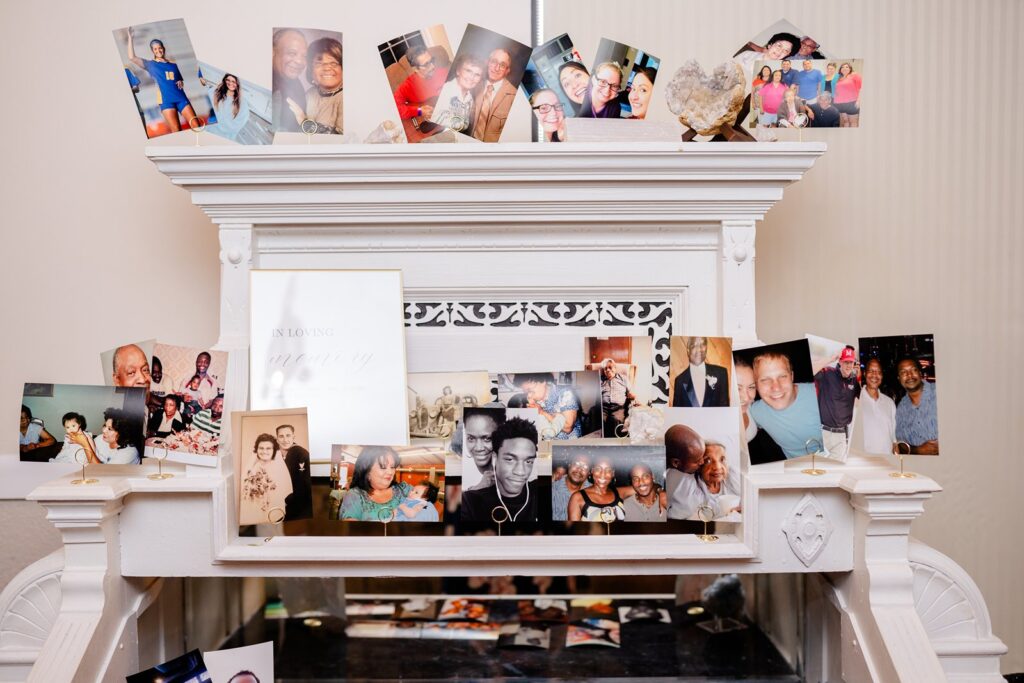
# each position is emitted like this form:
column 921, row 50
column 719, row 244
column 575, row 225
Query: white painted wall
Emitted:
column 918, row 213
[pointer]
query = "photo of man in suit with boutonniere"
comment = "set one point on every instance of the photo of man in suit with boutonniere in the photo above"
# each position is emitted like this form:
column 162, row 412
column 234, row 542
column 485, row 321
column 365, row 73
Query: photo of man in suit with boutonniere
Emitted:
column 700, row 384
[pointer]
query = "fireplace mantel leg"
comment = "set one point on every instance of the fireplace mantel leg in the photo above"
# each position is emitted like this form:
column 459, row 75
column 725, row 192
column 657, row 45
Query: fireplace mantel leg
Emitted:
column 883, row 628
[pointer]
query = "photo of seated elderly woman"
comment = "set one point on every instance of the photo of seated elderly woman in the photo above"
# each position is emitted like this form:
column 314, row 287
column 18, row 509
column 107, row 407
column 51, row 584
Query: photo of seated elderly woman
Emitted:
column 703, row 453
column 568, row 403
column 272, row 466
column 84, row 424
column 608, row 483
column 391, row 483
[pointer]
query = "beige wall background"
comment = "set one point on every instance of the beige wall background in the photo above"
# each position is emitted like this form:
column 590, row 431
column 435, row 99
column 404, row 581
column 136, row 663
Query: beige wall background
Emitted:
column 910, row 224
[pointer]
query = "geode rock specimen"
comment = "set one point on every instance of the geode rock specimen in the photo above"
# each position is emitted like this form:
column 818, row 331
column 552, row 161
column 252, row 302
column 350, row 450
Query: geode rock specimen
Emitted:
column 706, row 103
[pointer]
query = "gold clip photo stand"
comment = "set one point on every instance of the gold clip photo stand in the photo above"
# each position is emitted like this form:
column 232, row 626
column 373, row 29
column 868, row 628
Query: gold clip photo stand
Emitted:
column 607, row 516
column 308, row 126
column 82, row 459
column 386, row 517
column 499, row 515
column 274, row 519
column 198, row 128
column 160, row 474
column 621, row 434
column 705, row 514
column 812, row 446
column 547, row 435
column 898, row 451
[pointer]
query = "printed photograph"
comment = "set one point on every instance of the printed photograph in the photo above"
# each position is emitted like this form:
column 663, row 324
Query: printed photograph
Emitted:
column 592, row 608
column 532, row 636
column 644, row 612
column 622, row 82
column 388, row 483
column 417, row 608
column 568, row 403
column 699, row 369
column 82, row 424
column 243, row 109
column 603, row 632
column 702, row 447
column 784, row 404
column 608, row 483
column 898, row 401
column 188, row 668
column 460, row 630
column 836, row 378
column 464, row 609
column 555, row 83
column 543, row 610
column 307, row 81
column 626, row 368
column 272, row 466
column 416, row 65
column 128, row 365
column 186, row 403
column 806, row 93
column 249, row 664
column 508, row 479
column 482, row 84
column 436, row 401
column 369, row 608
column 547, row 64
column 163, row 75
column 779, row 41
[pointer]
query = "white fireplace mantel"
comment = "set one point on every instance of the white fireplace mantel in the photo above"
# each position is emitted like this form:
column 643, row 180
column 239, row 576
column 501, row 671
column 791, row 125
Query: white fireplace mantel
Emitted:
column 511, row 244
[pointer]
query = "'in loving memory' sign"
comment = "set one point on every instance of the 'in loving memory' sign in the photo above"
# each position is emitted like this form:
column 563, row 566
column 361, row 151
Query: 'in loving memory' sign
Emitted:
column 331, row 341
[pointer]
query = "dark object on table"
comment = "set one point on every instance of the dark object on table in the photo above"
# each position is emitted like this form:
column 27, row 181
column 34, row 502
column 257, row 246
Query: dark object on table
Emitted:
column 724, row 599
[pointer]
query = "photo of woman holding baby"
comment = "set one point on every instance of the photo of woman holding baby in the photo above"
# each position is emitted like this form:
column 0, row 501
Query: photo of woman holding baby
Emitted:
column 376, row 494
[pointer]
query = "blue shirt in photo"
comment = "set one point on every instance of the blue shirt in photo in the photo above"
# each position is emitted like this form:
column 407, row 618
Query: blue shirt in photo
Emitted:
column 920, row 423
column 793, row 426
column 808, row 83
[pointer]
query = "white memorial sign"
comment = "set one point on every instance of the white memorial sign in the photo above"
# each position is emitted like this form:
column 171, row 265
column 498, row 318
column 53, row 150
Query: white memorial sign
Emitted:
column 331, row 341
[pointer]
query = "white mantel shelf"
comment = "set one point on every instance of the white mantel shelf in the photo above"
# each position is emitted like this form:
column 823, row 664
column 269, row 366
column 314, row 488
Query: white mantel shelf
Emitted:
column 422, row 184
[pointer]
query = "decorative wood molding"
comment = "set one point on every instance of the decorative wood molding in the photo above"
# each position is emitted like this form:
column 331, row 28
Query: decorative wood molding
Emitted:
column 807, row 529
column 457, row 184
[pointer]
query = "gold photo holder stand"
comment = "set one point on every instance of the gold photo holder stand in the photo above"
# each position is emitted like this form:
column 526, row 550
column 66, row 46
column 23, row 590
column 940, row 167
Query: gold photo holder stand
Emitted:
column 706, row 514
column 275, row 520
column 623, row 435
column 897, row 450
column 82, row 459
column 309, row 129
column 198, row 128
column 499, row 515
column 813, row 470
column 386, row 517
column 607, row 516
column 160, row 474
